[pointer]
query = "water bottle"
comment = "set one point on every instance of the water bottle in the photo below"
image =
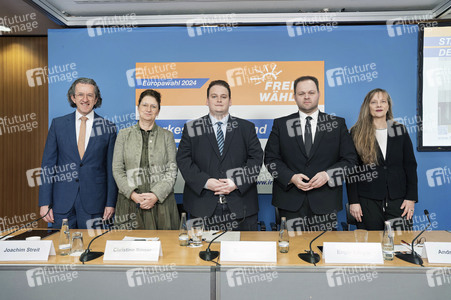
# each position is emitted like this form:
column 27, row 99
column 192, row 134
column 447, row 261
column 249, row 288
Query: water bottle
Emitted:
column 387, row 242
column 64, row 241
column 183, row 233
column 284, row 240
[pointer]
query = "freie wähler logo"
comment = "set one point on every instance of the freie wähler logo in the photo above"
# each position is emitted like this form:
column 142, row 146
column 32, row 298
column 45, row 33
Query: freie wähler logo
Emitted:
column 349, row 75
column 255, row 75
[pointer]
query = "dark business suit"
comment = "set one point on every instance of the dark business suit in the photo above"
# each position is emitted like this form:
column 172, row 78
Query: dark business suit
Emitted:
column 94, row 188
column 198, row 159
column 285, row 156
column 393, row 181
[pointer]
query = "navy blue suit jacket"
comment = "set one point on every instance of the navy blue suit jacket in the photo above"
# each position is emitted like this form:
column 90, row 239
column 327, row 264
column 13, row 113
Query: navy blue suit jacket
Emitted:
column 64, row 174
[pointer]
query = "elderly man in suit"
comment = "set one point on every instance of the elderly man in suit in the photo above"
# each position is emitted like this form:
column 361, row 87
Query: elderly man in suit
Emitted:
column 220, row 158
column 301, row 150
column 82, row 143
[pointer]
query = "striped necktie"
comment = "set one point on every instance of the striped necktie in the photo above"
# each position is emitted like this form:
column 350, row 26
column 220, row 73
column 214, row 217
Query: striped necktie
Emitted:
column 220, row 137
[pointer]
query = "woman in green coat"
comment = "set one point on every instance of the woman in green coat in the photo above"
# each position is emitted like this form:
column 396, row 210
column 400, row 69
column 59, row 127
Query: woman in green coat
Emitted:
column 145, row 170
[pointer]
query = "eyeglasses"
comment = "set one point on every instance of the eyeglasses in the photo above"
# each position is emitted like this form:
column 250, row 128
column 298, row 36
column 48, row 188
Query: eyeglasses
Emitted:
column 152, row 106
column 81, row 96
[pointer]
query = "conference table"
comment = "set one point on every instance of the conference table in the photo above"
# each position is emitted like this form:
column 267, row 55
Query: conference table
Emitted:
column 181, row 274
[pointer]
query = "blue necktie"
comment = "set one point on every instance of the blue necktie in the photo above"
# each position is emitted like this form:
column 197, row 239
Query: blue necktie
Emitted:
column 220, row 137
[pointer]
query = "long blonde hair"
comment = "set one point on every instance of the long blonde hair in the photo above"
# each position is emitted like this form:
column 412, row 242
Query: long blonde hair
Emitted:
column 364, row 132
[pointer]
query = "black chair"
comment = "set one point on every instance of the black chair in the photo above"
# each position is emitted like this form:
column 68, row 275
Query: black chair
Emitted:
column 275, row 226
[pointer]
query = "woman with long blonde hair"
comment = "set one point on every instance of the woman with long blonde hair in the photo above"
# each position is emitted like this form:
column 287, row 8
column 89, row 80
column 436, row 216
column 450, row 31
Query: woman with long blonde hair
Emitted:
column 385, row 152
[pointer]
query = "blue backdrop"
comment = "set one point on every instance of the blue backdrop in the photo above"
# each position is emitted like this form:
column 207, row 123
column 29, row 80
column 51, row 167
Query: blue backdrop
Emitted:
column 377, row 57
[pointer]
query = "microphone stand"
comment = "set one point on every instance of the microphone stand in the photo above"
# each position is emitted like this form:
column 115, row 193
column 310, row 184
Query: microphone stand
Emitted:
column 26, row 225
column 209, row 255
column 88, row 255
column 414, row 257
column 310, row 256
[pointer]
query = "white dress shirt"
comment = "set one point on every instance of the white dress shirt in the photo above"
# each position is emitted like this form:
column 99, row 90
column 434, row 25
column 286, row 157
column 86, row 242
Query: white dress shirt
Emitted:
column 89, row 123
column 313, row 123
column 223, row 126
column 381, row 137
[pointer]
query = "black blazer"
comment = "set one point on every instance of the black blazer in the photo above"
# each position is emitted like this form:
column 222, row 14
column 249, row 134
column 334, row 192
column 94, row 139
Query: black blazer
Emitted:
column 396, row 175
column 285, row 156
column 198, row 159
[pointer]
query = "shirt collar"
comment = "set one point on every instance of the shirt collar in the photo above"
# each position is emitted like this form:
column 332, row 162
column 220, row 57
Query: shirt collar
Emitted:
column 314, row 116
column 90, row 116
column 214, row 120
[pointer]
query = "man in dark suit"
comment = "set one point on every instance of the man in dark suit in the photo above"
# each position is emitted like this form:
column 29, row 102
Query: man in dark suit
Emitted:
column 220, row 157
column 300, row 150
column 80, row 143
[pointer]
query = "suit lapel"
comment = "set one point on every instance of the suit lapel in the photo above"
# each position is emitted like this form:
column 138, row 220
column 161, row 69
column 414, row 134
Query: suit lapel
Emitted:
column 293, row 125
column 389, row 145
column 230, row 130
column 98, row 128
column 72, row 136
column 211, row 135
column 319, row 133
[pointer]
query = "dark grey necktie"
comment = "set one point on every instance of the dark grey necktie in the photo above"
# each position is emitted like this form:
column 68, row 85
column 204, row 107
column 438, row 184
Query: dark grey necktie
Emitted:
column 308, row 135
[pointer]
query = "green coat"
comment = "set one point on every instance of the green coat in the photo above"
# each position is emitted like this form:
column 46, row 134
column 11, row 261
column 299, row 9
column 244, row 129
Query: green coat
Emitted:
column 160, row 170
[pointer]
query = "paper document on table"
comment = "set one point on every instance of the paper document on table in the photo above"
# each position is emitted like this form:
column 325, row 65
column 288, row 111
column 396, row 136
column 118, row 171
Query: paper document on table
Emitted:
column 405, row 248
column 131, row 238
column 228, row 236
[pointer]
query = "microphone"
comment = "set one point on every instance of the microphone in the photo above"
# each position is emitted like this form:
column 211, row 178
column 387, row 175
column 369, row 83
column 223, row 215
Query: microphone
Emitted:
column 89, row 255
column 28, row 224
column 414, row 257
column 209, row 255
column 310, row 256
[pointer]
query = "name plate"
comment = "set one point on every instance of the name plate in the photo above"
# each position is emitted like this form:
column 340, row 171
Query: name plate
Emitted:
column 353, row 253
column 133, row 251
column 26, row 250
column 437, row 253
column 245, row 251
